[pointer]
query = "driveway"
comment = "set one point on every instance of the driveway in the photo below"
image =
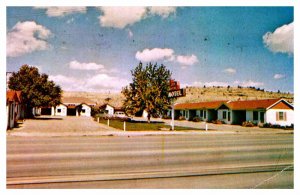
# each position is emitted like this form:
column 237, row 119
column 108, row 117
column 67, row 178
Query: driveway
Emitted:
column 55, row 125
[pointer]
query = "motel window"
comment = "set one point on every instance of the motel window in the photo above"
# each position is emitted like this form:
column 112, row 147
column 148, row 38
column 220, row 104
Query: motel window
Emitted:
column 204, row 113
column 224, row 114
column 201, row 113
column 255, row 115
column 59, row 110
column 281, row 116
column 229, row 116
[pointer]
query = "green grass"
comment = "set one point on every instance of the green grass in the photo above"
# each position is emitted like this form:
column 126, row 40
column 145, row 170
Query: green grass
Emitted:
column 141, row 126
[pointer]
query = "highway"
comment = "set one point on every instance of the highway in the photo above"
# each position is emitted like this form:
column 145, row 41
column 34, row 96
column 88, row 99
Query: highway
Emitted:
column 158, row 161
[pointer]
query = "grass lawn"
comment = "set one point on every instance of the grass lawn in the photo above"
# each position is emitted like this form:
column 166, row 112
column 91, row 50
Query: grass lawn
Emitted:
column 141, row 126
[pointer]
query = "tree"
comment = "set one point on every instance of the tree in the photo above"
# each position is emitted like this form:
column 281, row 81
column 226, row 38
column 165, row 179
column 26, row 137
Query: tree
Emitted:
column 148, row 90
column 37, row 90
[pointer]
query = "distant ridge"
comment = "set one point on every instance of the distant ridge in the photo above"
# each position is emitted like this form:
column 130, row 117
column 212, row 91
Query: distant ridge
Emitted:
column 198, row 94
column 193, row 94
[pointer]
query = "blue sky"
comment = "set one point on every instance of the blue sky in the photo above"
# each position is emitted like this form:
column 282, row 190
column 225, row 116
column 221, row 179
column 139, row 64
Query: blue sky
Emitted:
column 94, row 48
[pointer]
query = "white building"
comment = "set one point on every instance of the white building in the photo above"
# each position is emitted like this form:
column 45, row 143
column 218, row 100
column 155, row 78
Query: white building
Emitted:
column 274, row 111
column 14, row 108
column 109, row 109
column 71, row 106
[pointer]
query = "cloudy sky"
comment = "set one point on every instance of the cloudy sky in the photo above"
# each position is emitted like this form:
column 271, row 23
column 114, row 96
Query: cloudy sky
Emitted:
column 94, row 48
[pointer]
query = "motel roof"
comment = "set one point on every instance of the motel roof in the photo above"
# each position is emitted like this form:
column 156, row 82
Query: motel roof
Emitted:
column 233, row 105
column 251, row 104
column 12, row 95
column 200, row 105
column 77, row 100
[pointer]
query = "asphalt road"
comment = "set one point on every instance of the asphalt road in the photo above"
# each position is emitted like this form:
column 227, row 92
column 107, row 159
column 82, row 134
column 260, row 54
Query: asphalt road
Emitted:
column 172, row 161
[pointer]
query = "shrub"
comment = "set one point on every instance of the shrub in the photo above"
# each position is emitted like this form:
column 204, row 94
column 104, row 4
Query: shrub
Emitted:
column 269, row 125
column 196, row 119
column 248, row 124
column 166, row 117
column 181, row 118
column 218, row 122
column 289, row 127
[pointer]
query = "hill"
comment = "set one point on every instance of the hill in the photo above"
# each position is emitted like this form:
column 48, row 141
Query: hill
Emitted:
column 193, row 94
column 196, row 94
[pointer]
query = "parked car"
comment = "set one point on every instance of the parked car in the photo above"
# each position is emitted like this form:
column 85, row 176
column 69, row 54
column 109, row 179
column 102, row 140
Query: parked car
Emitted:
column 121, row 115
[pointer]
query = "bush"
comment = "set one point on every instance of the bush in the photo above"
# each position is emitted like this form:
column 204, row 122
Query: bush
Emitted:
column 181, row 118
column 248, row 124
column 269, row 125
column 218, row 122
column 166, row 117
column 196, row 119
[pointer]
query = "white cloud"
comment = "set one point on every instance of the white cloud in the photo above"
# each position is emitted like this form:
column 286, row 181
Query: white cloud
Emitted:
column 148, row 55
column 249, row 83
column 163, row 11
column 278, row 76
column 230, row 70
column 105, row 81
column 99, row 82
column 26, row 37
column 119, row 17
column 62, row 11
column 187, row 60
column 65, row 81
column 167, row 54
column 85, row 66
column 281, row 40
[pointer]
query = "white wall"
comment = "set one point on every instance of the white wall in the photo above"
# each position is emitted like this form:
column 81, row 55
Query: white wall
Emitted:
column 110, row 110
column 86, row 110
column 271, row 117
column 145, row 114
column 63, row 110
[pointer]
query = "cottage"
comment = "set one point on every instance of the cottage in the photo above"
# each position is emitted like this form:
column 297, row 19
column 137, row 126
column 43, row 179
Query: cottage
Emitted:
column 14, row 108
column 109, row 109
column 71, row 106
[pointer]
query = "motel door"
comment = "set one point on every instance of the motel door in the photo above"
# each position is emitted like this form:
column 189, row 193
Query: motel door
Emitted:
column 262, row 117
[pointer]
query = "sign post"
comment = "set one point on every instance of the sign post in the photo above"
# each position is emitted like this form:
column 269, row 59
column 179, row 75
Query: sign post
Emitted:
column 172, row 122
column 175, row 92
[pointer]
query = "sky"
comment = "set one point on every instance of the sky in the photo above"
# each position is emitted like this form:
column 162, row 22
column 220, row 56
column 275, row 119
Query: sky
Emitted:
column 94, row 48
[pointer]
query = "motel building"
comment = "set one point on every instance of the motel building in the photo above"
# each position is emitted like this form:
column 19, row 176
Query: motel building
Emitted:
column 274, row 111
column 14, row 108
column 70, row 106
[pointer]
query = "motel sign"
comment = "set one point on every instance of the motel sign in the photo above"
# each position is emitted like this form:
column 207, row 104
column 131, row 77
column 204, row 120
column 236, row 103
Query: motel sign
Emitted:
column 177, row 93
column 175, row 90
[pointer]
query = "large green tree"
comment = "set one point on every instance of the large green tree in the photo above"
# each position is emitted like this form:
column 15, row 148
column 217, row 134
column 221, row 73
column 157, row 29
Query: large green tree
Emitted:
column 37, row 90
column 148, row 90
